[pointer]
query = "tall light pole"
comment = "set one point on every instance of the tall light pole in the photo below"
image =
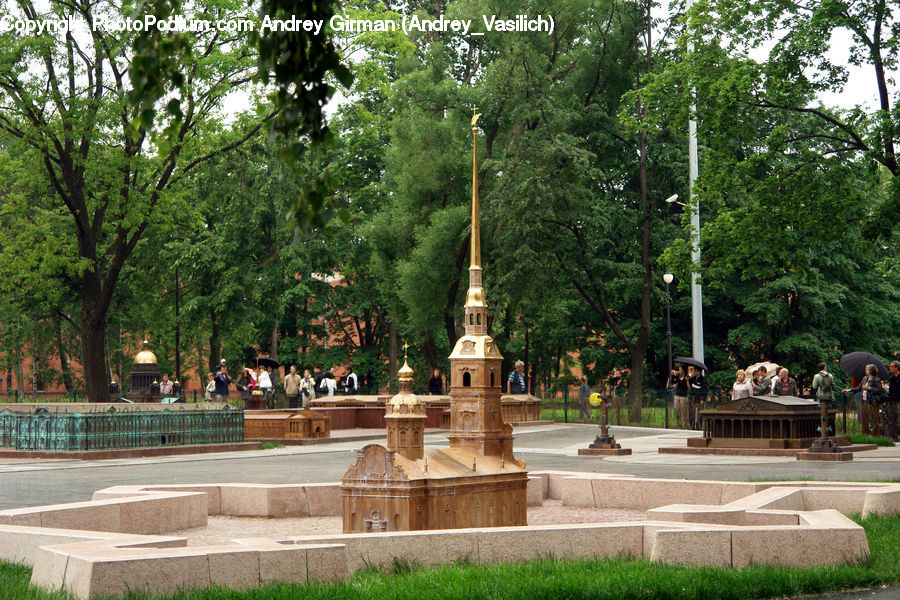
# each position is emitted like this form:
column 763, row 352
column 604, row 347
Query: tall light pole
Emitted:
column 693, row 171
column 668, row 278
column 696, row 292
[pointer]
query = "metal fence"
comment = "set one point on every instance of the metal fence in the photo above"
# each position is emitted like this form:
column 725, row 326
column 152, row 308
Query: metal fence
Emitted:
column 653, row 409
column 39, row 396
column 112, row 428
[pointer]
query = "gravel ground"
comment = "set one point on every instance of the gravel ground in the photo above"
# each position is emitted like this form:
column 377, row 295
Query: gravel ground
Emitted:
column 221, row 529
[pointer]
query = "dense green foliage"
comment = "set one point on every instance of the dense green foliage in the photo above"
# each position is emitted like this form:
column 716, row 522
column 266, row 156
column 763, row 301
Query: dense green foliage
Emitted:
column 550, row 578
column 582, row 137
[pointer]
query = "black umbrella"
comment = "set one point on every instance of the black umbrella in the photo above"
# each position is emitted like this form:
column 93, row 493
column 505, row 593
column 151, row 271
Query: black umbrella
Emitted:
column 267, row 362
column 855, row 364
column 690, row 361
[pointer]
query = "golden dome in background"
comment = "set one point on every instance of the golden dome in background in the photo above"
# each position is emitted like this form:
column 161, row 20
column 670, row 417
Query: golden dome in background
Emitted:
column 145, row 356
column 405, row 373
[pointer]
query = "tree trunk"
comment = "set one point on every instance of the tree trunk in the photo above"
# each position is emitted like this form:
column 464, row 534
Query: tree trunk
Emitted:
column 214, row 352
column 392, row 354
column 527, row 350
column 20, row 375
column 273, row 339
column 65, row 365
column 93, row 349
column 635, row 383
column 429, row 351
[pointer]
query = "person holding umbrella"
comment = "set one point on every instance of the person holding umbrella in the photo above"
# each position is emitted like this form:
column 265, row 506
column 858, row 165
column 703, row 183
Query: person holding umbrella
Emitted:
column 682, row 404
column 857, row 365
column 699, row 391
column 872, row 395
column 265, row 385
column 892, row 428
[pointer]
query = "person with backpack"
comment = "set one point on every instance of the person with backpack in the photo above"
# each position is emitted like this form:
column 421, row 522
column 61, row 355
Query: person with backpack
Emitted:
column 823, row 384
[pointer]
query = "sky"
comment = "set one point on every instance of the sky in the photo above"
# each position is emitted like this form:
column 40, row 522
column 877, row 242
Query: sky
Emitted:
column 860, row 88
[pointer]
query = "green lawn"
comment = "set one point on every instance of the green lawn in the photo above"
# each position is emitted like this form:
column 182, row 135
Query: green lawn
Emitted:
column 651, row 416
column 555, row 579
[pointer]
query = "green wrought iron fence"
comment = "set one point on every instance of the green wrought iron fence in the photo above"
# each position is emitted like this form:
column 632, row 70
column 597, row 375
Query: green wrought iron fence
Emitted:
column 116, row 427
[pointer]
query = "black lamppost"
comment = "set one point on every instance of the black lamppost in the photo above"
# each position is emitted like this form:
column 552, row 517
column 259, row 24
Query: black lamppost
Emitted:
column 668, row 278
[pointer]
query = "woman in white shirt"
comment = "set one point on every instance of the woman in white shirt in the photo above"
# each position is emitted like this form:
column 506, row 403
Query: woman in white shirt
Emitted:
column 210, row 387
column 742, row 388
column 331, row 384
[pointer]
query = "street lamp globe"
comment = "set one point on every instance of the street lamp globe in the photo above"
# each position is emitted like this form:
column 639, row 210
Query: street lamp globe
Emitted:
column 668, row 278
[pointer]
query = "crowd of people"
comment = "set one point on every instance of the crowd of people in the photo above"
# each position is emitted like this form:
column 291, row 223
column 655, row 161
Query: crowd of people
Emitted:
column 690, row 391
column 876, row 399
column 300, row 391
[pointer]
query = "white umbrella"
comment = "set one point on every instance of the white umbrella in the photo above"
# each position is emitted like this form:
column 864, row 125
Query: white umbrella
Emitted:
column 770, row 367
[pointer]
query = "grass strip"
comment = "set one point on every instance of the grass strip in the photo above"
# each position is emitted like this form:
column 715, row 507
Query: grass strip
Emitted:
column 551, row 579
column 862, row 438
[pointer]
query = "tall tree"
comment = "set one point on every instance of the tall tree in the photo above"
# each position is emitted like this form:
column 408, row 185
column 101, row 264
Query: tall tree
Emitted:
column 65, row 102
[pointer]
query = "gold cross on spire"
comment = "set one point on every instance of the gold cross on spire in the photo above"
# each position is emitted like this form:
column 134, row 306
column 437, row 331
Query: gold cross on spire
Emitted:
column 474, row 116
column 405, row 348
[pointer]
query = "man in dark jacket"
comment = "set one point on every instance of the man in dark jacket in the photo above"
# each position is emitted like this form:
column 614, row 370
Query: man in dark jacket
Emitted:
column 222, row 380
column 699, row 390
column 891, row 426
column 516, row 380
column 784, row 385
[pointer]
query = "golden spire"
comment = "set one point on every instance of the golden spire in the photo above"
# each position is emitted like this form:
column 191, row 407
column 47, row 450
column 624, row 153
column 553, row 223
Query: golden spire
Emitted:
column 475, row 259
column 475, row 324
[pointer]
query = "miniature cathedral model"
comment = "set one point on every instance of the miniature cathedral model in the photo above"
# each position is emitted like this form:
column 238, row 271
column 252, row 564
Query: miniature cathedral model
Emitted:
column 476, row 482
column 405, row 418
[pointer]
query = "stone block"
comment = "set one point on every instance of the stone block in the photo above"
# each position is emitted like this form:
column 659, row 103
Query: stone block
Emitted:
column 776, row 498
column 244, row 500
column 27, row 517
column 515, row 544
column 162, row 512
column 736, row 491
column 153, row 572
column 327, row 562
column 800, row 546
column 825, row 456
column 235, row 570
column 884, row 501
column 422, row 547
column 118, row 491
column 692, row 547
column 324, row 499
column 695, row 513
column 288, row 501
column 214, row 496
column 21, row 544
column 286, row 563
column 578, row 491
column 845, row 500
column 770, row 517
column 555, row 483
column 102, row 515
column 49, row 568
column 535, row 491
column 604, row 451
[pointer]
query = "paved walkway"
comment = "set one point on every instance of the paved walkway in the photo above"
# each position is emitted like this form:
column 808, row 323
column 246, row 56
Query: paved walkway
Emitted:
column 32, row 482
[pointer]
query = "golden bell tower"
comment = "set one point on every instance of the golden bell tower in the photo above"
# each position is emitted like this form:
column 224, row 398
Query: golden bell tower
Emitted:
column 476, row 419
column 405, row 417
